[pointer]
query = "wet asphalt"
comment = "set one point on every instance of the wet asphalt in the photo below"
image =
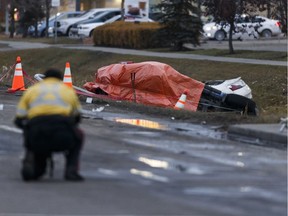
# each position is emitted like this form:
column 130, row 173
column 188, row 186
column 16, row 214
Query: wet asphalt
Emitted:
column 178, row 169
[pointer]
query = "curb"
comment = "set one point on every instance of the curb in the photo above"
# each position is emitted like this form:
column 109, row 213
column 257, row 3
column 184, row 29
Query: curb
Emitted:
column 259, row 134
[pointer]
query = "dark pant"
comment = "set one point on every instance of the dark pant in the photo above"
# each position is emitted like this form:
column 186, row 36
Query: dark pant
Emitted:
column 48, row 134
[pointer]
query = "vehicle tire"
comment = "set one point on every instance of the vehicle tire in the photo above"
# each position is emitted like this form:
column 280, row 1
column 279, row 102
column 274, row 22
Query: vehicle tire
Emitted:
column 69, row 33
column 266, row 33
column 91, row 33
column 241, row 103
column 219, row 35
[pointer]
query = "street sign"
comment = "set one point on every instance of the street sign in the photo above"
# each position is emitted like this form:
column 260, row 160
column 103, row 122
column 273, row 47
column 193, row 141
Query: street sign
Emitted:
column 55, row 3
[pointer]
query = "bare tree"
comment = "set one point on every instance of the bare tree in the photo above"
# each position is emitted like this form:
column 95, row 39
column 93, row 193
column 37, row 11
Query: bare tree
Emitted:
column 279, row 11
column 47, row 9
column 122, row 9
column 12, row 19
column 226, row 10
column 223, row 10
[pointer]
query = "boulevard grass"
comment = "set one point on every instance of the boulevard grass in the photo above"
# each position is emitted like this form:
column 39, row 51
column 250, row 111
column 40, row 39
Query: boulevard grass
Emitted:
column 268, row 83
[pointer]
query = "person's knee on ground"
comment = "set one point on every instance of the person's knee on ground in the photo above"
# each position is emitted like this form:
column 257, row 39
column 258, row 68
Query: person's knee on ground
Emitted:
column 33, row 166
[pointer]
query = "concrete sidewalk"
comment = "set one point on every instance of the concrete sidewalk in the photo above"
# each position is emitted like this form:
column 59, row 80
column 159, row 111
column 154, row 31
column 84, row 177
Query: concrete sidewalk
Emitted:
column 18, row 45
column 269, row 135
column 176, row 55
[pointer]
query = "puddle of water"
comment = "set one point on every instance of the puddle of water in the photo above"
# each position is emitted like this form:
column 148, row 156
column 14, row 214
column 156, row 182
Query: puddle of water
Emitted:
column 149, row 175
column 154, row 163
column 238, row 192
column 100, row 172
column 187, row 128
column 107, row 172
column 170, row 164
column 191, row 129
column 144, row 133
column 142, row 123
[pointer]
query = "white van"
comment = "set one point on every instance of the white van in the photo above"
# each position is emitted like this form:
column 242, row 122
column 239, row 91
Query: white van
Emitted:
column 63, row 26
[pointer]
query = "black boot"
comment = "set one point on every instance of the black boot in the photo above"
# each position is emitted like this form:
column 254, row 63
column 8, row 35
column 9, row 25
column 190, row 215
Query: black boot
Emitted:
column 28, row 168
column 72, row 175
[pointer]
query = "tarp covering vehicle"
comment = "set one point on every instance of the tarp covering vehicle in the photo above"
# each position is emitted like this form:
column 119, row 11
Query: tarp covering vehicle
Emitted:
column 150, row 83
column 158, row 84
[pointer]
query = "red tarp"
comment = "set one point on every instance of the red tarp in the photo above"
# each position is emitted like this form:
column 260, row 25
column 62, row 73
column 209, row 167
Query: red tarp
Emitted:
column 155, row 84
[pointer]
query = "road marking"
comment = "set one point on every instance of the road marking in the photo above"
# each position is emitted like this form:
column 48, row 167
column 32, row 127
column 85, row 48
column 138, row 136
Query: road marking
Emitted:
column 11, row 129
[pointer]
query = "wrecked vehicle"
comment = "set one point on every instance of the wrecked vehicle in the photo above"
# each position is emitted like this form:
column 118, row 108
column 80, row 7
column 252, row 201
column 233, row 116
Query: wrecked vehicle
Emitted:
column 231, row 86
column 158, row 84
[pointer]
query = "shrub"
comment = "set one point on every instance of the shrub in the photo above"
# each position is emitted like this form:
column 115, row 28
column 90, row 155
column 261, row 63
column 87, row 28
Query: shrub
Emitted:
column 127, row 35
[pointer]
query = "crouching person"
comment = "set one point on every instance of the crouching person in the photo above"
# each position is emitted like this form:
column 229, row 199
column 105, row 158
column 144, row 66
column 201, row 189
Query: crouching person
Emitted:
column 49, row 113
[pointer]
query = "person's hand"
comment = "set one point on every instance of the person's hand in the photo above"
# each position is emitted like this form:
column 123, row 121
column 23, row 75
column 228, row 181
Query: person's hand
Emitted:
column 20, row 122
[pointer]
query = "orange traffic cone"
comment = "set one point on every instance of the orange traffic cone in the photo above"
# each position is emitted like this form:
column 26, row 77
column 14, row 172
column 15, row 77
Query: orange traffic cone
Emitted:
column 18, row 79
column 182, row 100
column 67, row 75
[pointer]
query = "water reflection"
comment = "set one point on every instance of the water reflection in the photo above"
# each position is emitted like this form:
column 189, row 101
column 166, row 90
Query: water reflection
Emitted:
column 154, row 163
column 141, row 123
column 149, row 175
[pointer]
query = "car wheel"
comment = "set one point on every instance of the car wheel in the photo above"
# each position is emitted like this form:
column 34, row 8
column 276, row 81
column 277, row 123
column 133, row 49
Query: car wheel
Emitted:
column 69, row 34
column 91, row 33
column 266, row 33
column 219, row 35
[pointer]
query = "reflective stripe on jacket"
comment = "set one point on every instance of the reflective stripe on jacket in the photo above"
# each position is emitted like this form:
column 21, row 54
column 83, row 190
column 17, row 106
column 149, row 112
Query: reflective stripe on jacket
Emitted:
column 48, row 97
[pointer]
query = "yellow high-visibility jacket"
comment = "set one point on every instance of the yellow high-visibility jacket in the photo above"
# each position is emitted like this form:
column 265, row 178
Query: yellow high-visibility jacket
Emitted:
column 48, row 97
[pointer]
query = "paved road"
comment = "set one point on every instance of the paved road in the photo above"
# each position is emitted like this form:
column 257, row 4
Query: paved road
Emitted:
column 275, row 44
column 12, row 45
column 182, row 169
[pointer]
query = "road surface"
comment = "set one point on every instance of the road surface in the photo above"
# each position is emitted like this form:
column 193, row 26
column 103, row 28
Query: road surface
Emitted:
column 179, row 169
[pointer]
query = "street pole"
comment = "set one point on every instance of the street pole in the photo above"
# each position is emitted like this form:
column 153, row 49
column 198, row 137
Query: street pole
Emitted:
column 55, row 3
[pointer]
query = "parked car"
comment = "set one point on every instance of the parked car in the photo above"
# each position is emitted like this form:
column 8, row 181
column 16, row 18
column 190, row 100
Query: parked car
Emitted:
column 59, row 16
column 64, row 26
column 86, row 28
column 90, row 24
column 245, row 27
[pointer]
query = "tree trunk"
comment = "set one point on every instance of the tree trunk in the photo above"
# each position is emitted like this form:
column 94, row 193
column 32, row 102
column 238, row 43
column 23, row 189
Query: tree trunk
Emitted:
column 25, row 31
column 268, row 10
column 122, row 9
column 47, row 17
column 231, row 49
column 12, row 20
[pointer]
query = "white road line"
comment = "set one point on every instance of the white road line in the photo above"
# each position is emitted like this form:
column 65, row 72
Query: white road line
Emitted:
column 11, row 129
